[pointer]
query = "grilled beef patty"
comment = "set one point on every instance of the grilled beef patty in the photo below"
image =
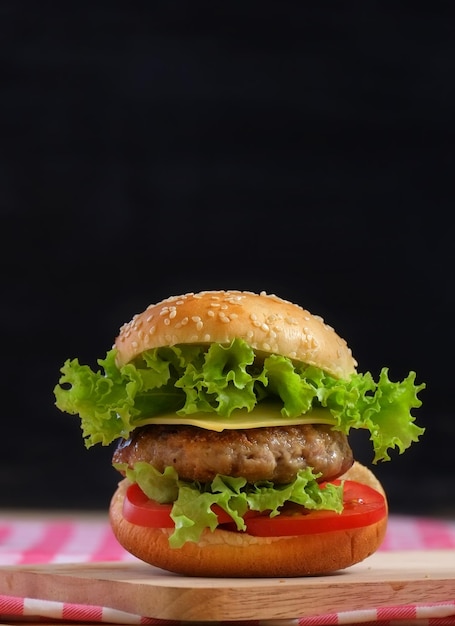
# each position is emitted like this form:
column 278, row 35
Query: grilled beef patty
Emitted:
column 273, row 453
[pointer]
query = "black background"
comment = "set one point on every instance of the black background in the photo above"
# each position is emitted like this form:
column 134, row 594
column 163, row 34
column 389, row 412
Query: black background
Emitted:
column 148, row 151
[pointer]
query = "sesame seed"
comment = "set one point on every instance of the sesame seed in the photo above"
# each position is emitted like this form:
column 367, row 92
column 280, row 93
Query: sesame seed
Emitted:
column 134, row 344
column 291, row 320
column 167, row 321
column 152, row 330
column 149, row 318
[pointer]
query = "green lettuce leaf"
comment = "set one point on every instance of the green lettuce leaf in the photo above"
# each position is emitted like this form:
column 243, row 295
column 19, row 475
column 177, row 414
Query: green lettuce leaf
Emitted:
column 192, row 502
column 221, row 379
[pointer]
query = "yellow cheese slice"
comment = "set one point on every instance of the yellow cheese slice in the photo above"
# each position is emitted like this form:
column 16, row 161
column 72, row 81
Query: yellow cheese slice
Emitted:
column 262, row 415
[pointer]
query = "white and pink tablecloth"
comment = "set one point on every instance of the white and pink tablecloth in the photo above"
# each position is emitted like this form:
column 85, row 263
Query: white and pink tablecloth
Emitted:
column 33, row 539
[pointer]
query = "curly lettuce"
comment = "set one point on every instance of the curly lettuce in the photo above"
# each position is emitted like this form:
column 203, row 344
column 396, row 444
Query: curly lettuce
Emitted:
column 223, row 379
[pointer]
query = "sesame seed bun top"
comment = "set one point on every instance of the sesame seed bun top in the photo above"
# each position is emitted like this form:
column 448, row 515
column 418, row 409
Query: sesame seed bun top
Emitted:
column 268, row 323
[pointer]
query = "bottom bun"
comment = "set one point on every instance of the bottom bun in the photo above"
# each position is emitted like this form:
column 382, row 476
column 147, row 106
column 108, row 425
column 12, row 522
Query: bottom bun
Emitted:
column 237, row 554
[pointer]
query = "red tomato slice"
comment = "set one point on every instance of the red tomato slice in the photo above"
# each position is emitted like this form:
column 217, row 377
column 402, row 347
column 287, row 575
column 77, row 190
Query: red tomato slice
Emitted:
column 140, row 510
column 362, row 506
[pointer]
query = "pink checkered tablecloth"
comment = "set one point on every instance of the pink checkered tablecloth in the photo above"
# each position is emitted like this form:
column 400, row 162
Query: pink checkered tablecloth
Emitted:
column 34, row 539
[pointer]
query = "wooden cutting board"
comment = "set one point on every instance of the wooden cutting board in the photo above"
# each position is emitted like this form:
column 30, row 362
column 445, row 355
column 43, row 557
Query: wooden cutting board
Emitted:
column 384, row 579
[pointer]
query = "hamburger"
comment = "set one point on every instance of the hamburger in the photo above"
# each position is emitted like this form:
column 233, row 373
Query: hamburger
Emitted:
column 230, row 414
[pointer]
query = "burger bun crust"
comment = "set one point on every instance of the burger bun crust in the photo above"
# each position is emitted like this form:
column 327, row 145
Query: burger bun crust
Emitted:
column 268, row 323
column 236, row 554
